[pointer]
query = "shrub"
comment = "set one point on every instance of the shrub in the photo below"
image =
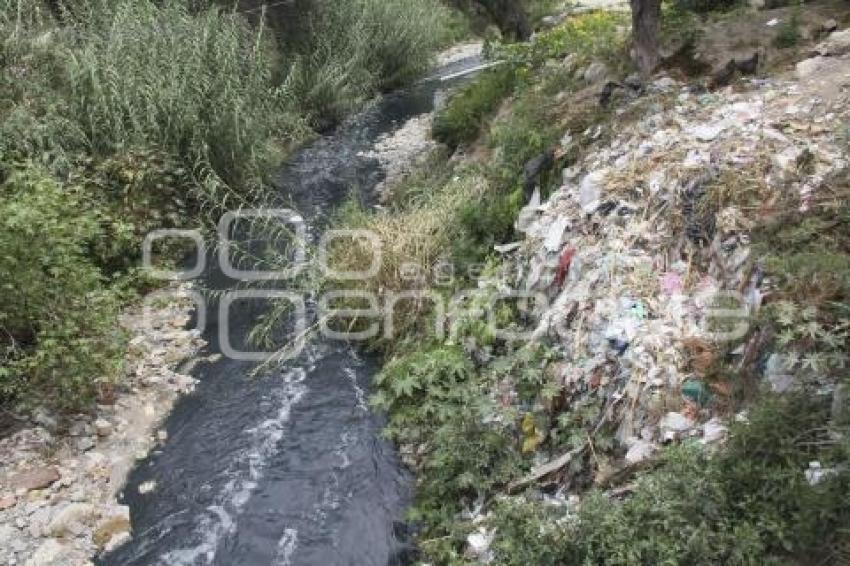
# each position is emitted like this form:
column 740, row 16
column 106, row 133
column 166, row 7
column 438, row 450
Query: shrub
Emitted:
column 486, row 221
column 594, row 35
column 462, row 119
column 58, row 319
column 438, row 407
column 750, row 504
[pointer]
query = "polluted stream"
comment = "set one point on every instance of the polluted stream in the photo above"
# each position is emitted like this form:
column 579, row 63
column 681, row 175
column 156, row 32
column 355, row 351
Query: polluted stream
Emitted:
column 288, row 466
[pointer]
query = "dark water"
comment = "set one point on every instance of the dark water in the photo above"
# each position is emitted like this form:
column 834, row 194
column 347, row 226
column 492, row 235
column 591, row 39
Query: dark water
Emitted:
column 287, row 467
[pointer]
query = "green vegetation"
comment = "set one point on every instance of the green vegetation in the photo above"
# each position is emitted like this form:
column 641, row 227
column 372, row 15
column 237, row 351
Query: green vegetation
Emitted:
column 470, row 412
column 591, row 37
column 460, row 122
column 359, row 47
column 117, row 118
column 749, row 504
column 58, row 315
column 789, row 34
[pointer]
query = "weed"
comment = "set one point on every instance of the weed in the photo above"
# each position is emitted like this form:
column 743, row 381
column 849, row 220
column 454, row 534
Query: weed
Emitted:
column 750, row 504
column 788, row 35
column 57, row 315
column 462, row 119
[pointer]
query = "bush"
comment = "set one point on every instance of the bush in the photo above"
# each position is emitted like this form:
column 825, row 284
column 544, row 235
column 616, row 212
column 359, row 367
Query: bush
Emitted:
column 58, row 318
column 437, row 406
column 462, row 119
column 751, row 504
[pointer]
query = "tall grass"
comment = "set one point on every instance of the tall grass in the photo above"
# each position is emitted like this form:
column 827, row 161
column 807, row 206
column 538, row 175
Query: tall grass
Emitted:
column 150, row 113
column 359, row 47
column 199, row 85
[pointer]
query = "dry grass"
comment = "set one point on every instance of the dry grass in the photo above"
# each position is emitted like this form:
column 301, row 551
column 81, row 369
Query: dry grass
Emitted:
column 412, row 242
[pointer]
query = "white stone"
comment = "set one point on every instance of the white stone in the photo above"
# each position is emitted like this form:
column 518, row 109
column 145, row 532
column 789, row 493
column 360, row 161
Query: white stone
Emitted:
column 810, row 67
column 50, row 553
column 479, row 544
column 836, row 44
column 103, row 427
column 709, row 132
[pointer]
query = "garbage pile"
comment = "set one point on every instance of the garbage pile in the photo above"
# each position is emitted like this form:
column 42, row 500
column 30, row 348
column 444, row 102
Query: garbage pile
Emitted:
column 645, row 250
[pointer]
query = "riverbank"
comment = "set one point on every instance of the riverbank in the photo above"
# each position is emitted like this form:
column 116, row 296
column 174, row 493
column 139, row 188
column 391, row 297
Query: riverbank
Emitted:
column 62, row 474
column 660, row 363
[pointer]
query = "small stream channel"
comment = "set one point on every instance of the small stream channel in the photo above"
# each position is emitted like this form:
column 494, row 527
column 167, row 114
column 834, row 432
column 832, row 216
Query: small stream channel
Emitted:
column 287, row 467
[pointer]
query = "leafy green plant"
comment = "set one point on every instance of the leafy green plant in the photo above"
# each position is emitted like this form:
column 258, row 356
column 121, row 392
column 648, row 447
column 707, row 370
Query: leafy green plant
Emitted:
column 57, row 316
column 749, row 504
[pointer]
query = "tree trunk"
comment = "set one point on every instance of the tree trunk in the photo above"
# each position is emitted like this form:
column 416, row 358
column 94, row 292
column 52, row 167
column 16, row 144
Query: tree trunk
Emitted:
column 646, row 25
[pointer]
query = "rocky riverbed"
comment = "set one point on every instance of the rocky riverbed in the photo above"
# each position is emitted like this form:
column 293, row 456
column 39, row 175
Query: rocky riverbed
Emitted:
column 61, row 475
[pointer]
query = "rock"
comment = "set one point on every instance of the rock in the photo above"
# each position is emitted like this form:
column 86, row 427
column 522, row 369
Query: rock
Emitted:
column 664, row 83
column 116, row 520
column 829, row 26
column 80, row 428
column 85, row 444
column 596, row 72
column 708, row 132
column 570, row 63
column 809, row 67
column 70, row 519
column 757, row 4
column 50, row 553
column 103, row 427
column 7, row 502
column 836, row 44
column 35, row 478
column 43, row 418
column 639, row 452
